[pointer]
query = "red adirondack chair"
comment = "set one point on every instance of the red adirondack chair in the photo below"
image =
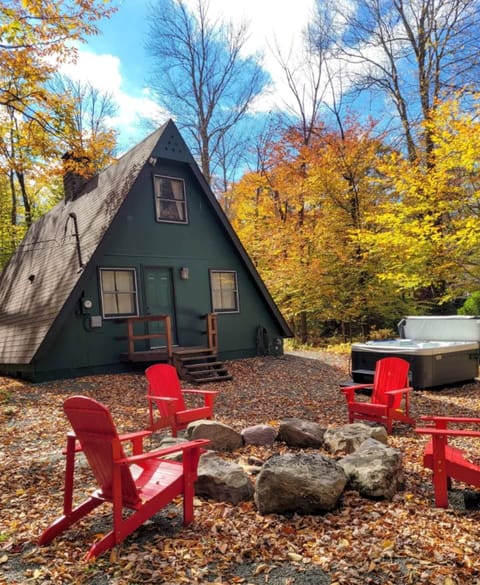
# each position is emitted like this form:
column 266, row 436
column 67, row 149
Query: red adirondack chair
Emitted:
column 446, row 461
column 165, row 392
column 142, row 482
column 389, row 389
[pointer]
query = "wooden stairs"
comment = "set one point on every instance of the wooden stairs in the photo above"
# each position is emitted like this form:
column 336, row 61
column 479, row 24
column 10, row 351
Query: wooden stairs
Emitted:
column 199, row 365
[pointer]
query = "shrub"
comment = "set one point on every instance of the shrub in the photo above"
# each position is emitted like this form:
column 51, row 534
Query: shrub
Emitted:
column 472, row 305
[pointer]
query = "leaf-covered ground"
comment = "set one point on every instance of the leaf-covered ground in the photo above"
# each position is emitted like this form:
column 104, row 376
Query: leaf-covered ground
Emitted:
column 405, row 540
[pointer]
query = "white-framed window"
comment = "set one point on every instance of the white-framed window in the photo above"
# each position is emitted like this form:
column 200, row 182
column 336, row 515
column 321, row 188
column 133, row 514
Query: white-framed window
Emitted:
column 224, row 288
column 170, row 200
column 118, row 288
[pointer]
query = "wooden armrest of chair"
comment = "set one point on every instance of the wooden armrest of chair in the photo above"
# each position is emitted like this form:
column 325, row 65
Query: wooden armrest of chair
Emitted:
column 165, row 418
column 448, row 432
column 197, row 391
column 170, row 403
column 163, row 398
column 135, row 437
column 163, row 451
column 357, row 387
column 452, row 419
column 399, row 391
column 391, row 394
column 440, row 424
column 349, row 391
column 209, row 396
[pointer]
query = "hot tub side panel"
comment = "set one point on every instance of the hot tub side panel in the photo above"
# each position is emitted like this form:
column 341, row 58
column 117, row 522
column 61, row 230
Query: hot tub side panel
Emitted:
column 426, row 371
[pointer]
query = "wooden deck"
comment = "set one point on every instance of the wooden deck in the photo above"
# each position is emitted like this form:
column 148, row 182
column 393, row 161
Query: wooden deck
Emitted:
column 151, row 355
column 196, row 364
column 160, row 354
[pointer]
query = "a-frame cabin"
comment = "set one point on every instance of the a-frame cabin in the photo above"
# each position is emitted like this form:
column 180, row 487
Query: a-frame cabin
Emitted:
column 137, row 265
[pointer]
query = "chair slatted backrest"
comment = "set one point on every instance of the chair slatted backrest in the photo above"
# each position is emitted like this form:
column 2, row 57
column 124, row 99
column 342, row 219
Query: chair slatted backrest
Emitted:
column 163, row 382
column 390, row 374
column 95, row 430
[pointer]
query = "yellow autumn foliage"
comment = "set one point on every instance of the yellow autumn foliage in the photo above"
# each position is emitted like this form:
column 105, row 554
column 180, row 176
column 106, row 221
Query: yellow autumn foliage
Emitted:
column 426, row 233
column 299, row 221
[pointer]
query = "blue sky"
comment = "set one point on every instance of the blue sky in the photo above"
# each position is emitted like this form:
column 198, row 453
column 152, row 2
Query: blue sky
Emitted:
column 116, row 61
column 123, row 35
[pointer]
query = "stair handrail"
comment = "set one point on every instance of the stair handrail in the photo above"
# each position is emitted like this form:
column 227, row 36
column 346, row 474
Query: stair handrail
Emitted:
column 149, row 319
column 212, row 331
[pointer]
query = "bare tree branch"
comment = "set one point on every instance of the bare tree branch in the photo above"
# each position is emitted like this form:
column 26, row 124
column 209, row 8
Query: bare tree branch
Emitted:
column 411, row 51
column 201, row 75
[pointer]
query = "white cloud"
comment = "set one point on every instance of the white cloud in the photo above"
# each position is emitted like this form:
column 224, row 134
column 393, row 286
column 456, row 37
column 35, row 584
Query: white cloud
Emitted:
column 269, row 20
column 274, row 25
column 103, row 72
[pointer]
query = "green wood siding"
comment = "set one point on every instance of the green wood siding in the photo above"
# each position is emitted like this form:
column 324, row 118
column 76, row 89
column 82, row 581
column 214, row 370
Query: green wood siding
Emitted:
column 136, row 240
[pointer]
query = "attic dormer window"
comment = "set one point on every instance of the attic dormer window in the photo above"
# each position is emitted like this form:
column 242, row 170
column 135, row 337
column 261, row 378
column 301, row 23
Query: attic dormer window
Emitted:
column 170, row 201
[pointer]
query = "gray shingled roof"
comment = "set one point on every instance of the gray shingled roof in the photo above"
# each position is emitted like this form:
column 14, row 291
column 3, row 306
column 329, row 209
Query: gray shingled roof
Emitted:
column 43, row 272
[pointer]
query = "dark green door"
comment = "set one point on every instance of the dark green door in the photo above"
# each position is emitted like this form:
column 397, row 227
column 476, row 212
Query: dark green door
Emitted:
column 159, row 301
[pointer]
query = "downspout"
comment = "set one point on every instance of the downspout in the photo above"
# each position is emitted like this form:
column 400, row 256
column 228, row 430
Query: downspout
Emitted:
column 77, row 238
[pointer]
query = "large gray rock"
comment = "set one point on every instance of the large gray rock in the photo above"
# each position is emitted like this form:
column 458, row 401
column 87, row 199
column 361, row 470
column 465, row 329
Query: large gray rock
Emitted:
column 374, row 470
column 305, row 483
column 222, row 437
column 296, row 432
column 259, row 435
column 222, row 480
column 348, row 438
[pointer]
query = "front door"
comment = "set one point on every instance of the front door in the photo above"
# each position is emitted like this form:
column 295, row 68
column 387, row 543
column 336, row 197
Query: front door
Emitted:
column 159, row 300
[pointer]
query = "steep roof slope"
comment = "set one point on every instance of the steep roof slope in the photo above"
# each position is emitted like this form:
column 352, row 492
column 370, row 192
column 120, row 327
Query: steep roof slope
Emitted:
column 49, row 262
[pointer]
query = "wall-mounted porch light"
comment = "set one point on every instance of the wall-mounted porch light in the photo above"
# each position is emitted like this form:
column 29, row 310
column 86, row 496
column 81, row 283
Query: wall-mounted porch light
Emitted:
column 184, row 273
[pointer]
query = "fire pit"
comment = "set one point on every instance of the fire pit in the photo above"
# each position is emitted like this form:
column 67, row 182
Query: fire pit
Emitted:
column 440, row 350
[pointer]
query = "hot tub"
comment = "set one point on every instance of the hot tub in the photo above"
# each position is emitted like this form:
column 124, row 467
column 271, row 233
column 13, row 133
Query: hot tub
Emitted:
column 440, row 350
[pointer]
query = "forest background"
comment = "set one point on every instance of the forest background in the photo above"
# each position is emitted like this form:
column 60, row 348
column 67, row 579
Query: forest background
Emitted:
column 354, row 216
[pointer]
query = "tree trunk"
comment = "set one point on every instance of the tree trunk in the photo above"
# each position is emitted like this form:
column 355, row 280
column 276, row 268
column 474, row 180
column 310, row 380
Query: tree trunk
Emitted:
column 303, row 329
column 26, row 199
column 14, row 198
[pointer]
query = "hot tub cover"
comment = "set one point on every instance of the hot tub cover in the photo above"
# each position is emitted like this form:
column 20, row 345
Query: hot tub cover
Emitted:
column 441, row 328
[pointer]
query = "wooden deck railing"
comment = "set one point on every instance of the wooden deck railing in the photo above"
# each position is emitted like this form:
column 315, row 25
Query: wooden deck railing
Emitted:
column 166, row 334
column 212, row 331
